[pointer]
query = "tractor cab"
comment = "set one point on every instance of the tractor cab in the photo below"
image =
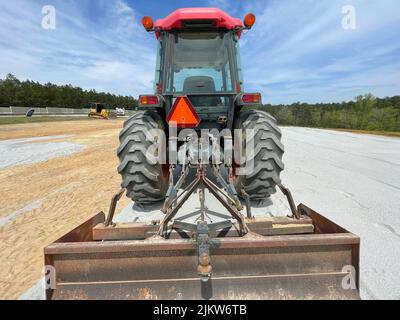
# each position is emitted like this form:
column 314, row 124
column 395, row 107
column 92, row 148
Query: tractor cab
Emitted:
column 198, row 57
column 97, row 107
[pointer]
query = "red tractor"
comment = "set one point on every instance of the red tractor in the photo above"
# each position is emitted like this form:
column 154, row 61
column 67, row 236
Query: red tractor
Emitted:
column 198, row 59
column 199, row 86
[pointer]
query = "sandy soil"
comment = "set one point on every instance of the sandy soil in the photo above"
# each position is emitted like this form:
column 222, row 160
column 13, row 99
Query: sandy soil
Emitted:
column 54, row 196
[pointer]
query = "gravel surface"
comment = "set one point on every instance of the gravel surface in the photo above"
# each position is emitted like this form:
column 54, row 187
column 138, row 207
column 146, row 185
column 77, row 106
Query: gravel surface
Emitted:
column 350, row 178
column 19, row 152
column 354, row 180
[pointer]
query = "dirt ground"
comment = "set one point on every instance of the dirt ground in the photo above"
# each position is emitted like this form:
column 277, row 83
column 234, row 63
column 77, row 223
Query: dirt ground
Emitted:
column 55, row 195
column 351, row 179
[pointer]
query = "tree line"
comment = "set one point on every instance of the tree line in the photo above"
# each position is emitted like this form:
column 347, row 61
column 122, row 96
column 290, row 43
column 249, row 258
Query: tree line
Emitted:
column 366, row 112
column 14, row 92
column 363, row 113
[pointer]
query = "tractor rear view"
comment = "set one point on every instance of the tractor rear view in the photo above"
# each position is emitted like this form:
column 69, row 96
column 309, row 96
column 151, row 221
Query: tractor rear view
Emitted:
column 200, row 131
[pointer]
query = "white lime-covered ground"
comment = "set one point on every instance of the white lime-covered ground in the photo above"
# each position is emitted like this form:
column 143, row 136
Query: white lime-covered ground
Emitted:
column 352, row 179
column 29, row 151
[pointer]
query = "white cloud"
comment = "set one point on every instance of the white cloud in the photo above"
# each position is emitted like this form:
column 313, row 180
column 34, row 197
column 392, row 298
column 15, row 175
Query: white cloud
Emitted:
column 220, row 4
column 111, row 54
column 296, row 51
column 123, row 8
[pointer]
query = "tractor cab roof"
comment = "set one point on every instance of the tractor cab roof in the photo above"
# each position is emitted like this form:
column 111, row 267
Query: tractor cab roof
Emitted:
column 189, row 18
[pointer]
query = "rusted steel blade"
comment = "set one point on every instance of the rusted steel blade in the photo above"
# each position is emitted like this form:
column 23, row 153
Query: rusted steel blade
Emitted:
column 310, row 266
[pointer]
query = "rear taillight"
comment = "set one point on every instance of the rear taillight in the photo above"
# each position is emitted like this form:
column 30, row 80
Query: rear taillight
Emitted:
column 149, row 101
column 251, row 98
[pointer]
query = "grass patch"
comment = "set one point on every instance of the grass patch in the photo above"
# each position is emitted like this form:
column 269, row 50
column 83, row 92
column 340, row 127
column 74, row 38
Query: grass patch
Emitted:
column 378, row 133
column 18, row 120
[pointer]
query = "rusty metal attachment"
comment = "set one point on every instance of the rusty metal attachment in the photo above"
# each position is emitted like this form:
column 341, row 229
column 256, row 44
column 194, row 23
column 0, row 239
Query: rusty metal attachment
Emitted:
column 301, row 256
column 289, row 197
column 280, row 258
column 174, row 201
column 113, row 206
column 203, row 251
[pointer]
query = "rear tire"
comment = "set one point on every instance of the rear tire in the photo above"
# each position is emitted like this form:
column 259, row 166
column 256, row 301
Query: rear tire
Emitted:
column 268, row 152
column 145, row 182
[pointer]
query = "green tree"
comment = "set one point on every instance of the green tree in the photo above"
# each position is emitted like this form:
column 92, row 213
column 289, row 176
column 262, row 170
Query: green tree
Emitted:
column 364, row 112
column 33, row 94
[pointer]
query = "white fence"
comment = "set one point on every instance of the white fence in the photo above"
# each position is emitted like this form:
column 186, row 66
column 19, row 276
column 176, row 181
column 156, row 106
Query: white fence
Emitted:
column 17, row 111
column 5, row 111
column 21, row 111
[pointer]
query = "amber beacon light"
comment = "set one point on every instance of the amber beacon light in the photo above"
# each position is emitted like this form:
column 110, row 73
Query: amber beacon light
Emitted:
column 148, row 23
column 249, row 20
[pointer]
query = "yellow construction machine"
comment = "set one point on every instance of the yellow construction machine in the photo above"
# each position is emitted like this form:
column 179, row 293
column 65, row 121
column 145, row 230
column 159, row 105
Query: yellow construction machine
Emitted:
column 98, row 110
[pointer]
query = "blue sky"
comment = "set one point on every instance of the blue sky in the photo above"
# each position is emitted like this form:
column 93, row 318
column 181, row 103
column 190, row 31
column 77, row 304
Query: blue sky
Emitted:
column 298, row 50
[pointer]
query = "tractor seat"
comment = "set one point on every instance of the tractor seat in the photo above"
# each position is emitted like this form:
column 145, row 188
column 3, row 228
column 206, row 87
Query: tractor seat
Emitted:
column 201, row 84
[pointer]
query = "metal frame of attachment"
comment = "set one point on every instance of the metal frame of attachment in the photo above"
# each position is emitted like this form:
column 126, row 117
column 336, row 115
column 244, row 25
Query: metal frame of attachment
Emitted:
column 227, row 196
column 174, row 201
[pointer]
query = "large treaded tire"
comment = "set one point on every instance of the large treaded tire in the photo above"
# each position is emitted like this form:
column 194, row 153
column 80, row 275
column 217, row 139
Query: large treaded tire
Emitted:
column 145, row 182
column 268, row 152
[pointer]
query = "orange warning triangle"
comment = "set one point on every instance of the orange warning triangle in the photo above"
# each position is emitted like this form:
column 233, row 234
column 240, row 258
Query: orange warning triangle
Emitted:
column 183, row 114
